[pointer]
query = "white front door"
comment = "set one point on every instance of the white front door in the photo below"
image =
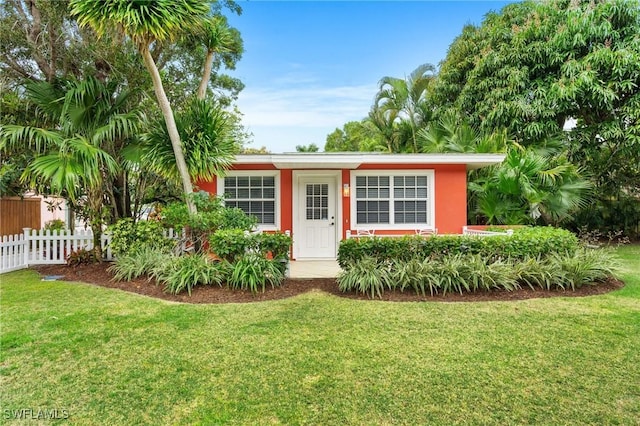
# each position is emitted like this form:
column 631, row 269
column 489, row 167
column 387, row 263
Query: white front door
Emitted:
column 317, row 216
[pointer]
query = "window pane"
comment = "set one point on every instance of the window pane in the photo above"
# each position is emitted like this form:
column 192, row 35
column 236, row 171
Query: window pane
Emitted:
column 243, row 193
column 255, row 180
column 243, row 182
column 269, row 181
column 256, row 193
column 361, row 181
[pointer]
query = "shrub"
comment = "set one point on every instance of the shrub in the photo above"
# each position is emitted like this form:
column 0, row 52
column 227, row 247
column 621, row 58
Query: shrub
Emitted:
column 139, row 262
column 525, row 242
column 128, row 236
column 277, row 244
column 586, row 266
column 253, row 272
column 231, row 244
column 82, row 257
column 367, row 277
column 55, row 225
column 185, row 272
column 212, row 215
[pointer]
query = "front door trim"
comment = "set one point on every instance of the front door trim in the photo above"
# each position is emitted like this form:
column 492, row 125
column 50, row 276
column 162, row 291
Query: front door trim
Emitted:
column 299, row 206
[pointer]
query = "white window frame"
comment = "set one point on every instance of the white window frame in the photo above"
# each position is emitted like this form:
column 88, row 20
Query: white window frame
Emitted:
column 431, row 212
column 258, row 173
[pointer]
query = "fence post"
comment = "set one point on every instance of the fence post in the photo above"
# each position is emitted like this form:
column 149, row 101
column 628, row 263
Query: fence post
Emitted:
column 26, row 248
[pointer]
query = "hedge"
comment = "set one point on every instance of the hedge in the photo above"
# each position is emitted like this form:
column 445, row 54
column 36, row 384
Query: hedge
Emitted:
column 525, row 242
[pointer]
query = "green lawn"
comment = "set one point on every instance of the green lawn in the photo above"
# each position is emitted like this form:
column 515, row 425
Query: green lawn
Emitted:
column 109, row 357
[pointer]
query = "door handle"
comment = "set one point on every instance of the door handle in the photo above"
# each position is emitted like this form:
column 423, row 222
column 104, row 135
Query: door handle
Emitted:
column 332, row 223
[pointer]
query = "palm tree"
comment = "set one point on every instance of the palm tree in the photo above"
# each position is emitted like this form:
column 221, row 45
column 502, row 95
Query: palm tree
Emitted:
column 147, row 22
column 83, row 120
column 530, row 186
column 219, row 39
column 206, row 133
column 404, row 101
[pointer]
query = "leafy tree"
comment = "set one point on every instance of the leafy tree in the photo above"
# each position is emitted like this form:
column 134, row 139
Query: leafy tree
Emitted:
column 218, row 39
column 401, row 106
column 312, row 147
column 356, row 136
column 535, row 66
column 206, row 133
column 146, row 23
column 73, row 156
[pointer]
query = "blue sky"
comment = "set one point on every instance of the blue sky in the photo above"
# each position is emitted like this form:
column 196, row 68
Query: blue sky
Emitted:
column 311, row 66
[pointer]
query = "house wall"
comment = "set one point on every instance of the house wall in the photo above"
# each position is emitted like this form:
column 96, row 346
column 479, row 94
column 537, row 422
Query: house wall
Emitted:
column 450, row 186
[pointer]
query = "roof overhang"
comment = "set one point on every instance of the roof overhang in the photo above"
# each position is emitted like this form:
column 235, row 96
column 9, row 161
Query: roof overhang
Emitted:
column 341, row 160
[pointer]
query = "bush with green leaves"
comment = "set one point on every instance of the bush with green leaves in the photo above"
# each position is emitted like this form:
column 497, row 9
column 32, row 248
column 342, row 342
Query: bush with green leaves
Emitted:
column 82, row 257
column 367, row 277
column 462, row 273
column 253, row 272
column 55, row 225
column 185, row 272
column 128, row 236
column 141, row 261
column 277, row 244
column 525, row 242
column 584, row 267
column 231, row 244
column 212, row 215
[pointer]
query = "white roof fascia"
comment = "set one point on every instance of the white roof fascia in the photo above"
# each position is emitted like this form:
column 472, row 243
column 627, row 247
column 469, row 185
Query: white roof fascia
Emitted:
column 325, row 160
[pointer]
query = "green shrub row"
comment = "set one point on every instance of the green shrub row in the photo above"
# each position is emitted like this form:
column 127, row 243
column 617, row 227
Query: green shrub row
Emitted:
column 233, row 244
column 474, row 272
column 179, row 273
column 525, row 242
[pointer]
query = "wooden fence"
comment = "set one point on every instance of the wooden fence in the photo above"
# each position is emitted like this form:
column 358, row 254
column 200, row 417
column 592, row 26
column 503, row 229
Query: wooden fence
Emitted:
column 18, row 213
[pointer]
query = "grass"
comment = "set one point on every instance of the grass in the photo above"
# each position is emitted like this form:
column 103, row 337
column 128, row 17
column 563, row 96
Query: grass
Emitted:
column 109, row 357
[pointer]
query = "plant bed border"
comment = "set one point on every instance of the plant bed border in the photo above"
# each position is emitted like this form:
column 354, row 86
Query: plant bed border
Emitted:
column 97, row 274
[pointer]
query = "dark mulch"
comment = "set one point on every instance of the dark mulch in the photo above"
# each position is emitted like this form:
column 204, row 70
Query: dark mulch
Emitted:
column 98, row 274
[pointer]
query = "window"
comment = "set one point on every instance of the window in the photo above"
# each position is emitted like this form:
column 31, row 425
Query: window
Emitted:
column 393, row 199
column 255, row 195
column 317, row 201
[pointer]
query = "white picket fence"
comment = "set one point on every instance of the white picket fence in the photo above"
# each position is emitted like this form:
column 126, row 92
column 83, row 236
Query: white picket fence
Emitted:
column 43, row 247
column 482, row 233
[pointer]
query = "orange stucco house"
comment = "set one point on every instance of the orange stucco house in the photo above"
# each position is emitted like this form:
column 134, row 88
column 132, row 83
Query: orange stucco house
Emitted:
column 321, row 198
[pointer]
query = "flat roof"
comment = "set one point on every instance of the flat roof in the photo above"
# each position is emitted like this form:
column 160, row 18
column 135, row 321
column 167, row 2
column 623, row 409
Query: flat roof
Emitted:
column 351, row 160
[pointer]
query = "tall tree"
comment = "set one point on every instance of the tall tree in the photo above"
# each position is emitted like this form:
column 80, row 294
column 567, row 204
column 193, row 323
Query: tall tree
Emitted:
column 404, row 103
column 312, row 147
column 219, row 39
column 83, row 121
column 146, row 22
column 536, row 66
column 356, row 136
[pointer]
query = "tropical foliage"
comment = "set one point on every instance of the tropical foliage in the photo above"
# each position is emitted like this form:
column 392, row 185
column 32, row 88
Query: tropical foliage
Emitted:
column 466, row 272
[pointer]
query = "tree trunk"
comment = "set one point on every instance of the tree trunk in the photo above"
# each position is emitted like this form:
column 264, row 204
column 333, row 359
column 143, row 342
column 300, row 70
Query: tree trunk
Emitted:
column 206, row 75
column 170, row 122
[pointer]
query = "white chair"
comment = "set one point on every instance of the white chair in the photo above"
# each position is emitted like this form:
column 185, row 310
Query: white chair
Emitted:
column 365, row 232
column 427, row 232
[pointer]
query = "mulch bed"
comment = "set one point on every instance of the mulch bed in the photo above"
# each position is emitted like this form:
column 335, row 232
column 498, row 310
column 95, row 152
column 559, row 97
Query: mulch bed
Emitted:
column 98, row 274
